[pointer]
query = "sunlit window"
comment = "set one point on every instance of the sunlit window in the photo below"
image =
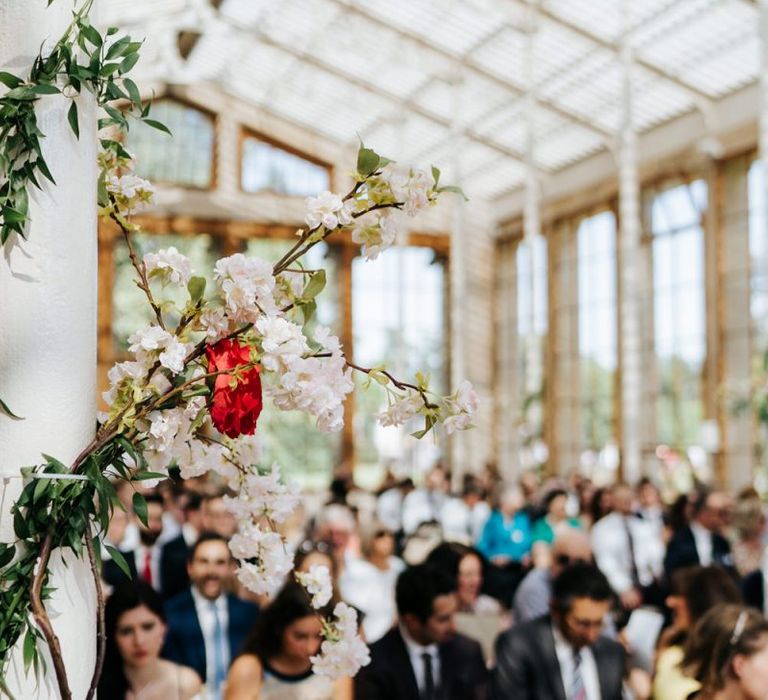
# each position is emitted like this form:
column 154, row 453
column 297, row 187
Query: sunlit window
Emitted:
column 268, row 167
column 758, row 254
column 596, row 251
column 184, row 159
column 398, row 320
column 679, row 311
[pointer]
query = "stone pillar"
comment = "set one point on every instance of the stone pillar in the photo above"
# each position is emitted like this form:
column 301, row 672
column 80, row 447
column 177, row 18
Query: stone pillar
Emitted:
column 48, row 337
column 629, row 243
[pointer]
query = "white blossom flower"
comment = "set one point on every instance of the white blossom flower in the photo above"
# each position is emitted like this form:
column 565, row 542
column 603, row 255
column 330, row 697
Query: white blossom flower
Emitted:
column 375, row 236
column 329, row 210
column 129, row 191
column 273, row 560
column 415, row 191
column 318, row 583
column 247, row 285
column 215, row 323
column 148, row 339
column 263, row 495
column 174, row 354
column 282, row 342
column 169, row 266
column 343, row 652
column 401, row 411
column 462, row 407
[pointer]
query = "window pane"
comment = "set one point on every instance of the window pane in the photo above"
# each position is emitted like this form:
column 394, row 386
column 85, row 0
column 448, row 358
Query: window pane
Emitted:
column 185, row 159
column 267, row 167
column 390, row 328
column 679, row 311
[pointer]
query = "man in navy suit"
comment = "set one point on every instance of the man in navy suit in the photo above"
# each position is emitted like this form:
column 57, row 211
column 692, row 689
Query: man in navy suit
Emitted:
column 701, row 543
column 207, row 627
column 424, row 658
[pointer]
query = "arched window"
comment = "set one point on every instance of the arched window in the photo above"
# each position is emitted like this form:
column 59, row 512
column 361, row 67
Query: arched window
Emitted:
column 185, row 159
column 266, row 167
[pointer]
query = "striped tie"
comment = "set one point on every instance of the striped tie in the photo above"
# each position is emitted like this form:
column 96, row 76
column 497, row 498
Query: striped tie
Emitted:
column 578, row 692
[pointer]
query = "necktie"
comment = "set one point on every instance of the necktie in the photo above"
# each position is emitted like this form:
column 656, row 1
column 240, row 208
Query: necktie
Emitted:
column 632, row 559
column 146, row 572
column 219, row 665
column 578, row 691
column 429, row 679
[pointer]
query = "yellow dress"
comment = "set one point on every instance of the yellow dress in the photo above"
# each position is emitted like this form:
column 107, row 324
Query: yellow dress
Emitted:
column 670, row 683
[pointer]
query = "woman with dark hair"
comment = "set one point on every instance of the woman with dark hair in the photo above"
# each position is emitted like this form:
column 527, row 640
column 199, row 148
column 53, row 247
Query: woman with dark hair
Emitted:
column 275, row 663
column 135, row 631
column 554, row 521
column 693, row 592
column 727, row 653
column 466, row 566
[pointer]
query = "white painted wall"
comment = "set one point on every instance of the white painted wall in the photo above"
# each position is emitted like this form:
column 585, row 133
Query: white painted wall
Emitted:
column 48, row 331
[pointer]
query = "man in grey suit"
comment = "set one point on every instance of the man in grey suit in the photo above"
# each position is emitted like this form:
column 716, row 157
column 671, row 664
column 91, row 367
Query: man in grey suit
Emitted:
column 562, row 656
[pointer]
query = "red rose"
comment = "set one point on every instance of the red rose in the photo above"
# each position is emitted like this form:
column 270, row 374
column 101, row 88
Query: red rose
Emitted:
column 235, row 408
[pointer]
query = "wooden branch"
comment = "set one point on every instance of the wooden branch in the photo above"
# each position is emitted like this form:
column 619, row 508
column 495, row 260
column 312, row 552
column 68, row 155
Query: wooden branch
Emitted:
column 101, row 635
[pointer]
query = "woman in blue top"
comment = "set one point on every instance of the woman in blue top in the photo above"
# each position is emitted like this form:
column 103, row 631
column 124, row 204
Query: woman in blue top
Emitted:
column 545, row 529
column 506, row 536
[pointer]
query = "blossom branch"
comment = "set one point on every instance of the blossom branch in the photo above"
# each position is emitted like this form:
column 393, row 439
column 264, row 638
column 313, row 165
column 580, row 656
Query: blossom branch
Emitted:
column 403, row 386
column 101, row 636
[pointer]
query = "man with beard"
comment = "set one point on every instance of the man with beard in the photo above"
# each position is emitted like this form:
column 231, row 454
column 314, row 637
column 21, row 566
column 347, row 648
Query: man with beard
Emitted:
column 206, row 626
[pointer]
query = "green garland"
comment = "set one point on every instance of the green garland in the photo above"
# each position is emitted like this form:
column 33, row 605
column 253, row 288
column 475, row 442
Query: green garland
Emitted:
column 82, row 59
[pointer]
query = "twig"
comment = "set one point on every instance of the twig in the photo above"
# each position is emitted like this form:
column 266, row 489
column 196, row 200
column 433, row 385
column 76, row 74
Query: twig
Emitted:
column 44, row 622
column 101, row 636
column 400, row 385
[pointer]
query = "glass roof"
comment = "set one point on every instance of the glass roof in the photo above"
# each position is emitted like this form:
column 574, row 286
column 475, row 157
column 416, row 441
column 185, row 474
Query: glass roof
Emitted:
column 410, row 76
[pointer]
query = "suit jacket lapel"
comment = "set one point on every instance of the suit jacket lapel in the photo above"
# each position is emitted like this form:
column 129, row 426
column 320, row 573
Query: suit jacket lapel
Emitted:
column 550, row 666
column 605, row 670
column 401, row 659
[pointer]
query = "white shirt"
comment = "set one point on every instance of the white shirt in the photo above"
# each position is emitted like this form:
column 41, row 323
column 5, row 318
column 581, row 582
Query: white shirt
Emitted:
column 703, row 539
column 208, row 626
column 612, row 553
column 373, row 591
column 388, row 509
column 565, row 660
column 461, row 523
column 415, row 652
column 421, row 506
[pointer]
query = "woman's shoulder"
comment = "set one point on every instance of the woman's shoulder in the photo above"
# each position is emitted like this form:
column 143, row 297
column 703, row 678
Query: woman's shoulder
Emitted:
column 246, row 665
column 182, row 677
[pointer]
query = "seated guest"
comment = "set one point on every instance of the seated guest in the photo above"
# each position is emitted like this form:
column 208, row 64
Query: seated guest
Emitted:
column 207, row 627
column 424, row 504
column 215, row 517
column 749, row 525
column 423, row 657
column 369, row 583
column 701, row 542
column 506, row 536
column 552, row 523
column 563, row 655
column 135, row 629
column 630, row 552
column 463, row 519
column 275, row 661
column 533, row 595
column 727, row 653
column 693, row 592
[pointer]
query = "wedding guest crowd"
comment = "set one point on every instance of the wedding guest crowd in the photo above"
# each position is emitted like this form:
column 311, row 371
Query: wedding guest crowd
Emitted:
column 533, row 589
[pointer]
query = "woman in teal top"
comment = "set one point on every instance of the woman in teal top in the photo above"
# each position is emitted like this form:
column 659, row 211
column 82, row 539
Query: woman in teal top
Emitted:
column 546, row 528
column 507, row 533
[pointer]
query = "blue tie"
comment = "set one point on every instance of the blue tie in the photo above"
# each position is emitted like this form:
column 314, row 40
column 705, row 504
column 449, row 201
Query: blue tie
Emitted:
column 219, row 650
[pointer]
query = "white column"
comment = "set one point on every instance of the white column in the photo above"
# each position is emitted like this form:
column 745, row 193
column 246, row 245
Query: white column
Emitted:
column 48, row 332
column 532, row 382
column 629, row 241
column 763, row 123
column 459, row 442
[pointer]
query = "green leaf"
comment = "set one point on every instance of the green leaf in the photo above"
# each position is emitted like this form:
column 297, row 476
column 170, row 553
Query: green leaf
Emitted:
column 140, row 507
column 119, row 559
column 10, row 80
column 436, row 175
column 157, row 125
column 91, row 34
column 308, row 310
column 144, row 476
column 7, row 411
column 455, row 190
column 133, row 91
column 315, row 285
column 12, row 216
column 117, row 48
column 129, row 62
column 367, row 161
column 7, row 552
column 72, row 118
column 41, row 486
column 45, row 89
column 30, row 648
column 196, row 288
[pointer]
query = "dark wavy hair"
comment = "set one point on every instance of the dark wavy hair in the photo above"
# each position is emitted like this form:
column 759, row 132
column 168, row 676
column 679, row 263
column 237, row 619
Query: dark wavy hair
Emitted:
column 127, row 596
column 448, row 556
column 291, row 603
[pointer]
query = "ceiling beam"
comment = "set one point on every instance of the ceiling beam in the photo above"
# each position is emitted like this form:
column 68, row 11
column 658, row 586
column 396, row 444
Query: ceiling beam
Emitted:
column 474, row 67
column 612, row 46
column 315, row 61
